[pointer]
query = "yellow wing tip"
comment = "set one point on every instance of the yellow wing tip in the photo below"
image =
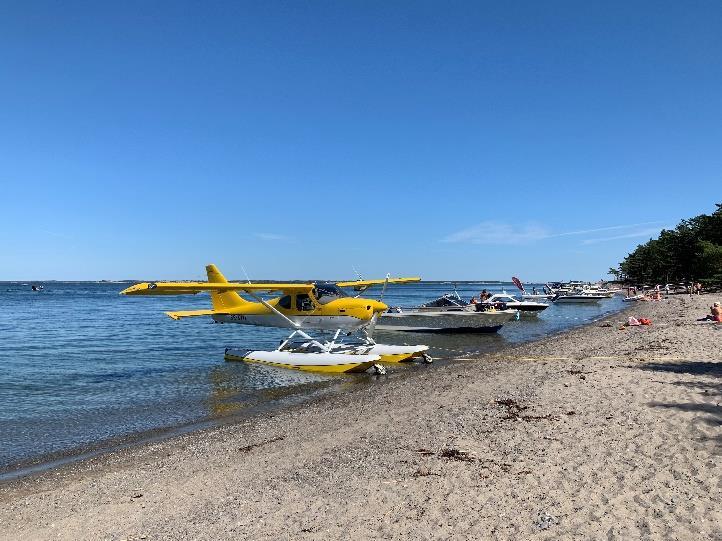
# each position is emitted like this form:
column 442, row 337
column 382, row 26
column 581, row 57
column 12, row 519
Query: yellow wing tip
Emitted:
column 368, row 283
column 403, row 280
column 136, row 289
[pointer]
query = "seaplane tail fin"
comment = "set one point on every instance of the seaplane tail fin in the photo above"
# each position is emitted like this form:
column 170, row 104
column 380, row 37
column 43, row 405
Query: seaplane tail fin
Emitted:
column 222, row 301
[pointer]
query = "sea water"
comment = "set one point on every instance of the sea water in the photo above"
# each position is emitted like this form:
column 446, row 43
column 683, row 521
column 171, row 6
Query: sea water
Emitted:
column 81, row 365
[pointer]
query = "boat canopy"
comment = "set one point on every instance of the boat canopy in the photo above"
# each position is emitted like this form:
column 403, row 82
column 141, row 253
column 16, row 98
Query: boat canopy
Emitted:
column 445, row 300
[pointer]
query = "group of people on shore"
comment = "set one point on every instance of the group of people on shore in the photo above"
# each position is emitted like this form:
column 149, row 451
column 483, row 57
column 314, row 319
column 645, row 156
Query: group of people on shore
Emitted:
column 654, row 295
column 695, row 288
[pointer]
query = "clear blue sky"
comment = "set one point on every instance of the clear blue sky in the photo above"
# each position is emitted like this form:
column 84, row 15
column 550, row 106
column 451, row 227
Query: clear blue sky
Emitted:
column 455, row 140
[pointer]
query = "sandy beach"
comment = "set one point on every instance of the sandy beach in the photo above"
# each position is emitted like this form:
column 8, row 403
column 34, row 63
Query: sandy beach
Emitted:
column 597, row 433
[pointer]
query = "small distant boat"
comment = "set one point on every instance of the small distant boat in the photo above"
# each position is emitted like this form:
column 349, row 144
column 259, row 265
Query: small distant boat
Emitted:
column 574, row 287
column 446, row 314
column 503, row 301
column 633, row 298
column 35, row 287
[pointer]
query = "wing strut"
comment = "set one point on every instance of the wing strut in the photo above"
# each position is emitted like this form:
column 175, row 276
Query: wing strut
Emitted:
column 273, row 309
column 296, row 326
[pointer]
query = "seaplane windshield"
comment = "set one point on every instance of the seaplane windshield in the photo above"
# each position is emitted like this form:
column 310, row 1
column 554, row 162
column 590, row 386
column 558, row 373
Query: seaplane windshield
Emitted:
column 326, row 293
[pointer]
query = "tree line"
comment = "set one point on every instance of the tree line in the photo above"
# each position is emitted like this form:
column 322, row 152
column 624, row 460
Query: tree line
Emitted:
column 692, row 251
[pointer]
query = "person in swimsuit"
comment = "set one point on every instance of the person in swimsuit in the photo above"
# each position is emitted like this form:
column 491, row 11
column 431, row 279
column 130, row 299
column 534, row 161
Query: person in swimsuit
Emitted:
column 715, row 315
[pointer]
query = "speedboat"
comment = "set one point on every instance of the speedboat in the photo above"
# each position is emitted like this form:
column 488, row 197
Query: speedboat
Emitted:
column 446, row 314
column 578, row 297
column 503, row 301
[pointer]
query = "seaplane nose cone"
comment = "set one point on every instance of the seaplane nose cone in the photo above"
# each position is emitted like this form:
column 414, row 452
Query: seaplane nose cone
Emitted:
column 378, row 306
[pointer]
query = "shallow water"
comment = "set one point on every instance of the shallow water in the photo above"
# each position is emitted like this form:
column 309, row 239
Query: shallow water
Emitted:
column 81, row 364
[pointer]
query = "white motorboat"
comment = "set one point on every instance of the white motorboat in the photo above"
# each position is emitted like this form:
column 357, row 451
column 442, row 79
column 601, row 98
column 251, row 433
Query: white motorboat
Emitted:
column 446, row 314
column 578, row 297
column 503, row 301
column 572, row 288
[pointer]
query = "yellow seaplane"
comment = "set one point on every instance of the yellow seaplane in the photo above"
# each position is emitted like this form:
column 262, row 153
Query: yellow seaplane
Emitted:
column 302, row 306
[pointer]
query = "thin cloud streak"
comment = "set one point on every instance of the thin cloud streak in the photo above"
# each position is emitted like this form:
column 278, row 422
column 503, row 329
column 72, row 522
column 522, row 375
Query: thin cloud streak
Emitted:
column 492, row 232
column 56, row 234
column 642, row 233
column 270, row 236
column 498, row 233
column 598, row 229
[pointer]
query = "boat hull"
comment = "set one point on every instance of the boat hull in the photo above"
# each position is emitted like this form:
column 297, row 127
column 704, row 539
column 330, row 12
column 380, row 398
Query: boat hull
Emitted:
column 448, row 330
column 577, row 299
column 526, row 309
column 446, row 322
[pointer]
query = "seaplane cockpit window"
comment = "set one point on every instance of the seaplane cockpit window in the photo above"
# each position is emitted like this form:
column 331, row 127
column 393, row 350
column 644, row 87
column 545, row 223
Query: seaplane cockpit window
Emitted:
column 304, row 302
column 326, row 293
column 285, row 302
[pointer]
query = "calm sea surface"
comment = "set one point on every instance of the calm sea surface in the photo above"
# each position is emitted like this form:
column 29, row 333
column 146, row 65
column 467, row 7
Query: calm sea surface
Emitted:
column 80, row 364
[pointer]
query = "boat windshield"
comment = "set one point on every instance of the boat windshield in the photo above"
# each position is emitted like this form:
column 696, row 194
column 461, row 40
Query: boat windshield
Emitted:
column 326, row 293
column 446, row 300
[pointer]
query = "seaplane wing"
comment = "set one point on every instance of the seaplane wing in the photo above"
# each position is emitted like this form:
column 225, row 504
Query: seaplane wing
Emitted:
column 191, row 288
column 365, row 284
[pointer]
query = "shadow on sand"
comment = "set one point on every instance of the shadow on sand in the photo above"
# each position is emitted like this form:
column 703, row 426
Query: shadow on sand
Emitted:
column 694, row 368
column 711, row 411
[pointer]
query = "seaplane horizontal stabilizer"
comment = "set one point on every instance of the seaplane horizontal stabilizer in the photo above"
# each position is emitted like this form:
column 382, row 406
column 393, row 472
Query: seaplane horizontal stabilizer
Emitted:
column 190, row 313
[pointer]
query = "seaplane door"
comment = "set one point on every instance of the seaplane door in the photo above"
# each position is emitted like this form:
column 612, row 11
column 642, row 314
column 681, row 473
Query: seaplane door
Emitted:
column 304, row 303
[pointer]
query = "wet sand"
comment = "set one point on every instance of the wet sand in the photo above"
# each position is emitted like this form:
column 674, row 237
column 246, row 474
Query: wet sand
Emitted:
column 594, row 433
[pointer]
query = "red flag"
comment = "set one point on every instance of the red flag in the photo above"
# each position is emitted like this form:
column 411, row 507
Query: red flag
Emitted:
column 517, row 282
